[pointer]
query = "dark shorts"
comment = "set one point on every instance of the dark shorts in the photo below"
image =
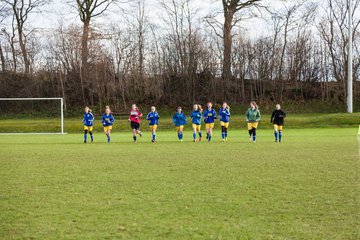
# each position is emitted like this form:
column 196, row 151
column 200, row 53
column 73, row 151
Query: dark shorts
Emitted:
column 135, row 125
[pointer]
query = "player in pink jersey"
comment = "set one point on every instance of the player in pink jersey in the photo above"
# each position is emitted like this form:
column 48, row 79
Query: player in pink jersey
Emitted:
column 134, row 119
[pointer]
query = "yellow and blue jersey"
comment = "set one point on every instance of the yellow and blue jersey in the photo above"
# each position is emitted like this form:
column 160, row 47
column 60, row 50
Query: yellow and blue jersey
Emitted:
column 88, row 119
column 153, row 118
column 179, row 119
column 224, row 114
column 209, row 116
column 196, row 117
column 107, row 120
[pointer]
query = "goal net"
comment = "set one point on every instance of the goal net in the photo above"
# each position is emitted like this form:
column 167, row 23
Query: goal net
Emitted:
column 31, row 116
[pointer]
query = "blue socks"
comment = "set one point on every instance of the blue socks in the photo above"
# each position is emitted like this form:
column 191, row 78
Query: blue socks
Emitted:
column 209, row 138
column 154, row 137
column 254, row 138
column 280, row 136
column 223, row 135
column 276, row 135
column 194, row 135
column 85, row 137
column 108, row 138
column 180, row 136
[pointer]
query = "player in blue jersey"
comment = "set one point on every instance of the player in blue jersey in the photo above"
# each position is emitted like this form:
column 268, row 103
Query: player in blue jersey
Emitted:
column 107, row 121
column 196, row 121
column 209, row 119
column 224, row 114
column 179, row 120
column 153, row 118
column 88, row 121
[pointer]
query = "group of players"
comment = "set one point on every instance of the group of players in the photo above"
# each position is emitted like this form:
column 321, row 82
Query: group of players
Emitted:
column 179, row 119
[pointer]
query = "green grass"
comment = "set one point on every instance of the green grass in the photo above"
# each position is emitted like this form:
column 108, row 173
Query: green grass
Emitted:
column 121, row 124
column 56, row 187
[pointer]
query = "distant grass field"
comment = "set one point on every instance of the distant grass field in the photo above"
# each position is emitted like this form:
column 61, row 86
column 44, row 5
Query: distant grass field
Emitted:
column 73, row 125
column 56, row 187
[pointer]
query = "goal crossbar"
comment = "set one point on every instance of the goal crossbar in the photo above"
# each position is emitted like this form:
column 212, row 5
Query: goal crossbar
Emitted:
column 44, row 98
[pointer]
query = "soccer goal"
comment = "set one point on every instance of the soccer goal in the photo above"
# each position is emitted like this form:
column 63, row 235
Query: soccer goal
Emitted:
column 32, row 116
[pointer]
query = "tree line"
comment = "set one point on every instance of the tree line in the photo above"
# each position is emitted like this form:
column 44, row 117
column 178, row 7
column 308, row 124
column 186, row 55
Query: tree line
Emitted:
column 189, row 59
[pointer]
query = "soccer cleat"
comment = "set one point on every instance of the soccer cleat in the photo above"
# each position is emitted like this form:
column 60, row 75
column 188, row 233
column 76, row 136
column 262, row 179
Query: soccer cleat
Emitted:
column 195, row 140
column 140, row 134
column 181, row 140
column 223, row 139
column 84, row 141
column 200, row 138
column 153, row 141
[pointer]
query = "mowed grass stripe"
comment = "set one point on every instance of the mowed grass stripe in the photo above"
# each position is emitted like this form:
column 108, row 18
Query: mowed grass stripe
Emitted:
column 56, row 187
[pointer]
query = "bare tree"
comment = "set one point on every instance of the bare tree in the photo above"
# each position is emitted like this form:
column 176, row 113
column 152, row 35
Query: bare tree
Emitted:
column 21, row 10
column 231, row 7
column 87, row 10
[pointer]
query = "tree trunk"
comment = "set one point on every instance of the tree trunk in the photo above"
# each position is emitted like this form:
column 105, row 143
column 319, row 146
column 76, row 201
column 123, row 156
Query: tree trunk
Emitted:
column 226, row 74
column 84, row 57
column 3, row 65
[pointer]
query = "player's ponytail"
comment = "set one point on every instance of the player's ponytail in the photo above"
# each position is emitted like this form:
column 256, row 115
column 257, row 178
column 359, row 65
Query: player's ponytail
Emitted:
column 255, row 105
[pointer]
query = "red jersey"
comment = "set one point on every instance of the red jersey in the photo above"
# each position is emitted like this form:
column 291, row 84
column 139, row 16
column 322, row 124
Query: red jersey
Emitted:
column 135, row 116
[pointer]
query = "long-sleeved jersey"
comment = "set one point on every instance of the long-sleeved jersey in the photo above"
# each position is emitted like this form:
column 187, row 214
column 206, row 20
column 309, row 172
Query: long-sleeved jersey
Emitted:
column 153, row 118
column 88, row 119
column 179, row 119
column 209, row 116
column 107, row 120
column 135, row 116
column 252, row 115
column 277, row 117
column 224, row 114
column 196, row 117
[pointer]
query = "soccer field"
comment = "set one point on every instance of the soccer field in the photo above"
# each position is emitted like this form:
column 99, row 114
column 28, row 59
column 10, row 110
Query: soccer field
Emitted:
column 57, row 187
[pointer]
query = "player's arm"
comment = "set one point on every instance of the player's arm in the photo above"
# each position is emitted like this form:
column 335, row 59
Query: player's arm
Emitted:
column 258, row 116
column 247, row 115
column 272, row 116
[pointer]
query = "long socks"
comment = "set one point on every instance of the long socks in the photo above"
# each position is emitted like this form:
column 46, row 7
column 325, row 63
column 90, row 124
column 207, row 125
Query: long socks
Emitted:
column 108, row 137
column 280, row 136
column 223, row 132
column 85, row 136
column 91, row 136
column 276, row 135
column 154, row 137
column 180, row 135
column 254, row 134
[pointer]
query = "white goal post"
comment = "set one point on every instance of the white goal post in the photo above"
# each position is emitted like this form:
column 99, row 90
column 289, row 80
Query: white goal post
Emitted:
column 35, row 99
